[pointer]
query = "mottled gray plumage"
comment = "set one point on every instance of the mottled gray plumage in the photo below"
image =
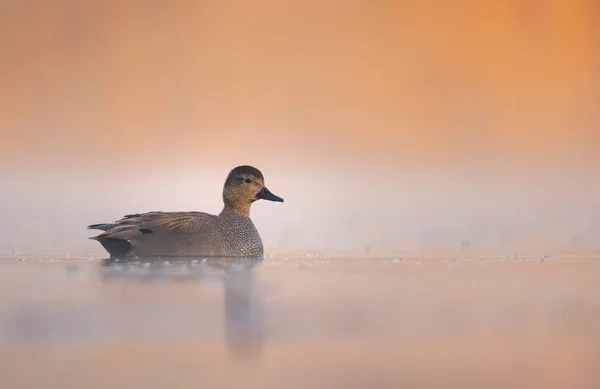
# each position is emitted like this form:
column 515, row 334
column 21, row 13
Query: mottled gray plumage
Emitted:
column 169, row 234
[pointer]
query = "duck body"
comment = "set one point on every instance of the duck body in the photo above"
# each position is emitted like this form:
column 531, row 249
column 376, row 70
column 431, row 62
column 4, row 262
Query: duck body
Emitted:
column 231, row 233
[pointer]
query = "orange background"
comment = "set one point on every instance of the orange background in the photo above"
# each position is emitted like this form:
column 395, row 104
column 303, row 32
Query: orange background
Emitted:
column 399, row 124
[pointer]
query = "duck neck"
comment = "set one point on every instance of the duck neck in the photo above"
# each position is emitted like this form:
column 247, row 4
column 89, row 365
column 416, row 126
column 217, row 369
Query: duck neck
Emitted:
column 236, row 209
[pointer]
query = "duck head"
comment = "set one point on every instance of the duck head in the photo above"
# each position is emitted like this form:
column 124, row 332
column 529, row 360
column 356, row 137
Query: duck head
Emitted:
column 243, row 186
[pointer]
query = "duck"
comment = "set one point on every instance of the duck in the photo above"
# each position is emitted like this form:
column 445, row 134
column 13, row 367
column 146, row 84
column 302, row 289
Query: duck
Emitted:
column 231, row 233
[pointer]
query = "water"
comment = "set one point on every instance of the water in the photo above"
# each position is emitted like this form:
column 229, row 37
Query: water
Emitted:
column 301, row 322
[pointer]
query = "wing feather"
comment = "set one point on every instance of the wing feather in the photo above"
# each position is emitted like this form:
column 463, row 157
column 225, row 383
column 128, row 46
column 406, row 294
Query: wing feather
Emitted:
column 130, row 226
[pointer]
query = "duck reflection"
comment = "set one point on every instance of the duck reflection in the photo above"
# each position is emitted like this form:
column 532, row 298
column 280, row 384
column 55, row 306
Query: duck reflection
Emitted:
column 243, row 320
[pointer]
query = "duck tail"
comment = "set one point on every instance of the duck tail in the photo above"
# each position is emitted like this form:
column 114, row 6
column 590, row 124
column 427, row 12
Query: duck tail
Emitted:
column 101, row 226
column 117, row 248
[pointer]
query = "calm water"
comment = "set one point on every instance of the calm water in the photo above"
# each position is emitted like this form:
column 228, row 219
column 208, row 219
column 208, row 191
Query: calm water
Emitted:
column 301, row 322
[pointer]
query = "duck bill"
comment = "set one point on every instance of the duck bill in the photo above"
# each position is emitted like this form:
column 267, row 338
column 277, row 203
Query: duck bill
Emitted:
column 266, row 194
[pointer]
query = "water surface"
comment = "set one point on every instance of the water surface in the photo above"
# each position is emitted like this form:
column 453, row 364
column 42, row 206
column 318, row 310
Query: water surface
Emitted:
column 301, row 322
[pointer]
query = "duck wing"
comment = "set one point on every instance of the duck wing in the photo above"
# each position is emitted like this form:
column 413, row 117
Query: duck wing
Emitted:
column 151, row 222
column 117, row 236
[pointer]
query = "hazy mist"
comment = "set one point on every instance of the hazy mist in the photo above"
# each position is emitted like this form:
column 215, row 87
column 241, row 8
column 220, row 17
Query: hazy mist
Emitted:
column 403, row 125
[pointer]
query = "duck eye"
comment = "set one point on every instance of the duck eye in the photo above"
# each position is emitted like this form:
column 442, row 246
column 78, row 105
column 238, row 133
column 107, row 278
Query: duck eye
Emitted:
column 248, row 180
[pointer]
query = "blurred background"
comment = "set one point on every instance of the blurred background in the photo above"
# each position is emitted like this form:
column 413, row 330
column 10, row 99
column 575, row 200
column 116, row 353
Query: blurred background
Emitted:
column 419, row 127
column 385, row 125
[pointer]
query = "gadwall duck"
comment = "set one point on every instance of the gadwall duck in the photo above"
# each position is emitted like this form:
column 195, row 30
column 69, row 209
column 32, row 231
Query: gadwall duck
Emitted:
column 175, row 234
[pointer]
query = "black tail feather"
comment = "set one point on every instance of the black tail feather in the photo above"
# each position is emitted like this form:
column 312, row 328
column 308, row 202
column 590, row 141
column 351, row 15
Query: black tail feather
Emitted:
column 101, row 226
column 117, row 248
